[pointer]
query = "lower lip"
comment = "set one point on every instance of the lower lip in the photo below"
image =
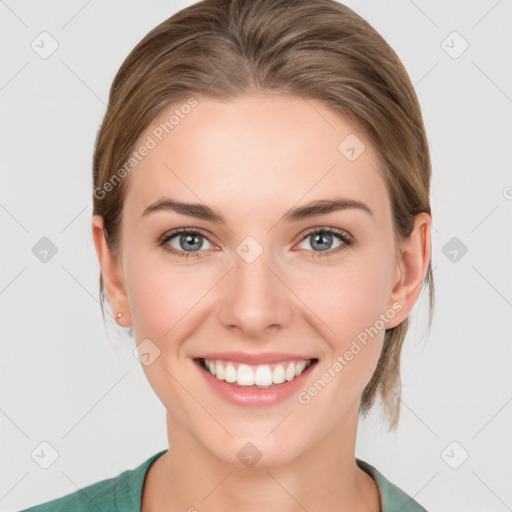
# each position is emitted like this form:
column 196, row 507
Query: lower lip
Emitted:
column 256, row 397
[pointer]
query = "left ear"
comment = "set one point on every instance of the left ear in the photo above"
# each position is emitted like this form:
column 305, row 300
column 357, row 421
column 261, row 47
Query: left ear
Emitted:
column 412, row 266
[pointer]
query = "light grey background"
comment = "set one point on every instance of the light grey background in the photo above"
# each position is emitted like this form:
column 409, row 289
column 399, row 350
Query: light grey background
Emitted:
column 68, row 382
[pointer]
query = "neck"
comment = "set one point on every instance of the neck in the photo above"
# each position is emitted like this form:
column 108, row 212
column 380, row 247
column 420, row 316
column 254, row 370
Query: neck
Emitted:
column 188, row 477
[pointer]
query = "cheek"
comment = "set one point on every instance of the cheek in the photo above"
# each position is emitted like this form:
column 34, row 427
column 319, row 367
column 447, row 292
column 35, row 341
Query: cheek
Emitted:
column 352, row 303
column 152, row 304
column 155, row 295
column 347, row 299
column 161, row 301
column 160, row 289
column 168, row 303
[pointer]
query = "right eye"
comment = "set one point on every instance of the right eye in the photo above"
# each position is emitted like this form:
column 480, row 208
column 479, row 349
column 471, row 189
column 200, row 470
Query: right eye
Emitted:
column 183, row 242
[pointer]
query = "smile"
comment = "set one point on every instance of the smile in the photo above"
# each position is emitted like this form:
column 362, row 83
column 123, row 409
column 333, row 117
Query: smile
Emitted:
column 256, row 376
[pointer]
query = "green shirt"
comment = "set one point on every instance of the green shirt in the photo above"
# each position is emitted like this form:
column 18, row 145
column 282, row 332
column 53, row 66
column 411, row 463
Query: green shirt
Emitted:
column 124, row 492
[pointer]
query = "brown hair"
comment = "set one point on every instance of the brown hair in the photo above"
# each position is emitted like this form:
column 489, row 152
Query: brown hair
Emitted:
column 320, row 50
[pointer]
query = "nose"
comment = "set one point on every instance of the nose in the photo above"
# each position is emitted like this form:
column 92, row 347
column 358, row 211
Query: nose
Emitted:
column 255, row 299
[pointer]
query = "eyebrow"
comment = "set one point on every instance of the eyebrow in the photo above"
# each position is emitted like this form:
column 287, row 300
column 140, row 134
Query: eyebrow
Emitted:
column 312, row 209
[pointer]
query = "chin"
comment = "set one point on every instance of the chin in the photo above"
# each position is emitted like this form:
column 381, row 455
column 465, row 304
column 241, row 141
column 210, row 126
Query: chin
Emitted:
column 256, row 451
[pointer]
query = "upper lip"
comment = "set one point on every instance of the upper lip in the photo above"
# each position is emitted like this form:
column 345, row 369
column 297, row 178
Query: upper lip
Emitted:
column 244, row 357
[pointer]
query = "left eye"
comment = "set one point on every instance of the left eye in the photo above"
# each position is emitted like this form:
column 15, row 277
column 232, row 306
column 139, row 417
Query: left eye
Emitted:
column 322, row 240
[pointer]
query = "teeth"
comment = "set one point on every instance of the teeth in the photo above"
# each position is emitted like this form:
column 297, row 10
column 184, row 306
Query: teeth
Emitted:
column 261, row 375
column 290, row 372
column 278, row 374
column 300, row 367
column 230, row 373
column 244, row 376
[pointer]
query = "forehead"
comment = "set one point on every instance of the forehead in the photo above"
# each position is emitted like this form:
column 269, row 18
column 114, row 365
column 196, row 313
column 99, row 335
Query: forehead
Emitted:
column 261, row 150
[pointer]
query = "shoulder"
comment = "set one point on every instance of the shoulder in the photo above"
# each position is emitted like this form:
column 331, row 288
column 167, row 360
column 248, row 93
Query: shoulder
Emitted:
column 392, row 497
column 100, row 494
column 122, row 493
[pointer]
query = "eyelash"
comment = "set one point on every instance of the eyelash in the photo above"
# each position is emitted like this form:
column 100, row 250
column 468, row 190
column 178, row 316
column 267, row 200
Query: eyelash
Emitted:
column 340, row 234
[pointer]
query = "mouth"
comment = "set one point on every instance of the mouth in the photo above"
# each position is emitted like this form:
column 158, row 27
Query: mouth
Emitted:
column 256, row 376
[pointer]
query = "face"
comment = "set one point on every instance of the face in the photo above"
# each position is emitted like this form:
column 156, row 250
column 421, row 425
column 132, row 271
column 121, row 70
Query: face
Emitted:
column 259, row 282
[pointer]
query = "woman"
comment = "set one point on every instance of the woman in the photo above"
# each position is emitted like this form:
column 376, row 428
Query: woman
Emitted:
column 262, row 222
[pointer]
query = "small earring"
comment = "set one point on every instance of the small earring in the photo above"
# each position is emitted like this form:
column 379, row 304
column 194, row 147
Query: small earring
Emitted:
column 119, row 315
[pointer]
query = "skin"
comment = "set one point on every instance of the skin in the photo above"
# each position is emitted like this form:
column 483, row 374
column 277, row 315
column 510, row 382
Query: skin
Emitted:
column 252, row 159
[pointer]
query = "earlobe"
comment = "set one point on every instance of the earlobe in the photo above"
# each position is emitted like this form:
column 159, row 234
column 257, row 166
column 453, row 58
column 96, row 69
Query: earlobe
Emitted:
column 111, row 272
column 412, row 266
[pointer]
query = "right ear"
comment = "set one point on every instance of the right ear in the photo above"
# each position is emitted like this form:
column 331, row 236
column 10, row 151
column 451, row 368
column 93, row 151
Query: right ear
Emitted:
column 111, row 272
